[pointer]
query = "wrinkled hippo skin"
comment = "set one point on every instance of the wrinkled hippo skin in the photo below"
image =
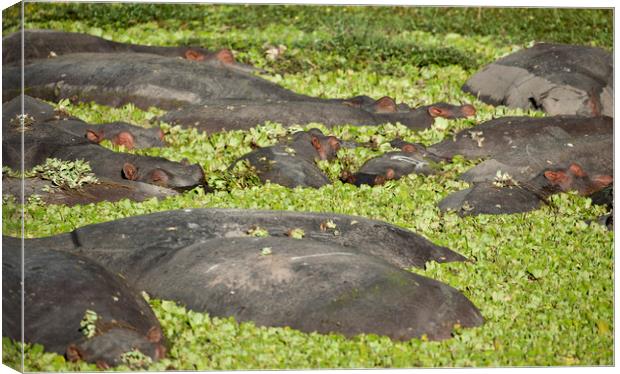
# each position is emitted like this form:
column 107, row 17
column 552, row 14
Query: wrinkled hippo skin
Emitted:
column 555, row 78
column 59, row 288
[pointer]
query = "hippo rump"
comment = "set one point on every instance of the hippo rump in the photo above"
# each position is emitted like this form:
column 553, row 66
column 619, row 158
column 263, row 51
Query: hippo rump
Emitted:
column 240, row 114
column 301, row 283
column 555, row 78
column 146, row 80
column 59, row 289
column 42, row 44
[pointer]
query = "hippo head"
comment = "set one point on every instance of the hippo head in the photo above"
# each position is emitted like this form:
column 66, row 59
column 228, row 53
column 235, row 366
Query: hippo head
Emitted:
column 224, row 55
column 575, row 178
column 450, row 111
column 108, row 348
column 164, row 173
column 128, row 136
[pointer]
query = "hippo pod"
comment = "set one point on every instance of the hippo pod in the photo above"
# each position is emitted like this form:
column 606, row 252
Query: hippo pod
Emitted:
column 145, row 80
column 308, row 285
column 181, row 228
column 555, row 78
column 59, row 288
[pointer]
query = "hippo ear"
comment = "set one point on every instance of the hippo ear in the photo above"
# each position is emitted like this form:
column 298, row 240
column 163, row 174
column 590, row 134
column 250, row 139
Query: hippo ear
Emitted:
column 159, row 177
column 315, row 143
column 390, row 174
column 576, row 170
column 556, row 177
column 409, row 148
column 190, row 54
column 154, row 334
column 124, row 138
column 436, row 111
column 101, row 364
column 333, row 142
column 468, row 110
column 94, row 136
column 130, row 171
column 225, row 56
column 73, row 353
column 385, row 105
column 379, row 179
column 601, row 181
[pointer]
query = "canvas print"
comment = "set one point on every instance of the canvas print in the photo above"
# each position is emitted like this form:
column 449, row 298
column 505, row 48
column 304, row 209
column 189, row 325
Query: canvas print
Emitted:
column 234, row 186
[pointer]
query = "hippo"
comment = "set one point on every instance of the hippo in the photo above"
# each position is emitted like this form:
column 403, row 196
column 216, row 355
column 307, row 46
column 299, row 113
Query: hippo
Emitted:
column 307, row 285
column 240, row 114
column 179, row 228
column 59, row 289
column 43, row 44
column 291, row 163
column 555, row 78
column 38, row 112
column 524, row 146
column 494, row 198
column 146, row 80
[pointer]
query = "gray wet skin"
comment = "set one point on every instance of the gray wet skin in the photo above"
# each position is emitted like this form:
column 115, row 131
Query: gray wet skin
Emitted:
column 180, row 228
column 556, row 78
column 236, row 114
column 43, row 44
column 145, row 80
column 59, row 288
column 304, row 284
column 523, row 147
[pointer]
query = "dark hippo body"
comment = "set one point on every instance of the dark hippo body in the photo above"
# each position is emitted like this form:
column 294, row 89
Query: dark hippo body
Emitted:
column 180, row 228
column 42, row 44
column 39, row 112
column 524, row 146
column 491, row 198
column 90, row 193
column 59, row 288
column 556, row 78
column 305, row 284
column 145, row 80
column 292, row 162
column 242, row 114
column 343, row 279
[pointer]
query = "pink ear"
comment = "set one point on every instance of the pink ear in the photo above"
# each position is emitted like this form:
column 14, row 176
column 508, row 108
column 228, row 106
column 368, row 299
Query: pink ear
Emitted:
column 468, row 110
column 190, row 54
column 409, row 148
column 556, row 177
column 154, row 334
column 225, row 56
column 316, row 143
column 576, row 170
column 390, row 174
column 130, row 171
column 159, row 177
column 385, row 105
column 124, row 138
column 73, row 353
column 603, row 180
column 94, row 136
column 435, row 111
